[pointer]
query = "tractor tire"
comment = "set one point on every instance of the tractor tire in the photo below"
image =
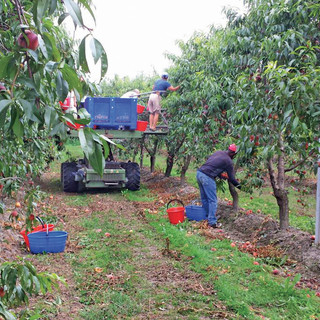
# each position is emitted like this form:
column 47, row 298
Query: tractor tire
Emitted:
column 67, row 177
column 132, row 175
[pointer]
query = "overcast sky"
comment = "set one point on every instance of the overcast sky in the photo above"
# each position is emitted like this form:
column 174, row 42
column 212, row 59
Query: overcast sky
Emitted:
column 136, row 34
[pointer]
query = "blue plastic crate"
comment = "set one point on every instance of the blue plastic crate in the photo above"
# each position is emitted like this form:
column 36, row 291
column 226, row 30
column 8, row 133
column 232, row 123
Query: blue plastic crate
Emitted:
column 112, row 113
column 196, row 213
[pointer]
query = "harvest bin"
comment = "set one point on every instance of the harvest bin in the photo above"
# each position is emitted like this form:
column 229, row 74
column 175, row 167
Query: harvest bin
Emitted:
column 112, row 113
column 49, row 242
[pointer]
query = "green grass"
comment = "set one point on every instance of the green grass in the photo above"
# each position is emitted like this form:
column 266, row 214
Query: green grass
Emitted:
column 141, row 195
column 121, row 277
column 246, row 288
column 122, row 288
column 126, row 256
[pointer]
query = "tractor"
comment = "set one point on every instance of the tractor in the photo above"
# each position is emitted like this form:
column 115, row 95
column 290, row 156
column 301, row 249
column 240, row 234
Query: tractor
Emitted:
column 117, row 118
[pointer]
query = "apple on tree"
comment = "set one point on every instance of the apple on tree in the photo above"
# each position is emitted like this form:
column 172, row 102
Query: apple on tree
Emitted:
column 28, row 39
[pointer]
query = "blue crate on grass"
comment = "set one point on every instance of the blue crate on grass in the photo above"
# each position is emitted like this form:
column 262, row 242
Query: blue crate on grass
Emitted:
column 196, row 213
column 112, row 113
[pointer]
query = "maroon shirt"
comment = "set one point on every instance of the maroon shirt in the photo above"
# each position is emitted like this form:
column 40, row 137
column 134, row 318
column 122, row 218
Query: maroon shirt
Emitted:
column 217, row 163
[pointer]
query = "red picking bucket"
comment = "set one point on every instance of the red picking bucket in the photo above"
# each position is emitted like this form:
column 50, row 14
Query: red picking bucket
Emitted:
column 42, row 227
column 176, row 214
column 140, row 108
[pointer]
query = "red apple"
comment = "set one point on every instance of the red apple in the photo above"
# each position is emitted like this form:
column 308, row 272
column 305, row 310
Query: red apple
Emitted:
column 2, row 87
column 14, row 213
column 31, row 217
column 232, row 244
column 32, row 42
column 256, row 263
column 2, row 292
column 275, row 271
column 107, row 234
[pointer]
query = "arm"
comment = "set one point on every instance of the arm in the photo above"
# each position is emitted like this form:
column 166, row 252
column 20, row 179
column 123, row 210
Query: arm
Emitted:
column 171, row 88
column 231, row 176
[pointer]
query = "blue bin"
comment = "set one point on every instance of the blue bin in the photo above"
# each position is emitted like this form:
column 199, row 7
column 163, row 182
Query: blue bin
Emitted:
column 112, row 113
column 50, row 242
column 196, row 213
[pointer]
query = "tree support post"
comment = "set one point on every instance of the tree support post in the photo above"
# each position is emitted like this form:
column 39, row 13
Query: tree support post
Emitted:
column 317, row 233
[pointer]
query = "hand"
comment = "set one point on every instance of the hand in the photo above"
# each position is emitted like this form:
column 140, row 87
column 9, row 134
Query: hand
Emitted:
column 224, row 175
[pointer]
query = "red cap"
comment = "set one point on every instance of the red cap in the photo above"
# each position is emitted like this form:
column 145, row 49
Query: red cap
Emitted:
column 233, row 147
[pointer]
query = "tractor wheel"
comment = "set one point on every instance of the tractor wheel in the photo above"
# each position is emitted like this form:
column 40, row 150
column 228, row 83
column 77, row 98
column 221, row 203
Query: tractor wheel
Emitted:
column 67, row 177
column 133, row 175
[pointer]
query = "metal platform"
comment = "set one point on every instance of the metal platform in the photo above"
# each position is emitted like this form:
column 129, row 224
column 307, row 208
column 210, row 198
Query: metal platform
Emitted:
column 160, row 131
column 127, row 134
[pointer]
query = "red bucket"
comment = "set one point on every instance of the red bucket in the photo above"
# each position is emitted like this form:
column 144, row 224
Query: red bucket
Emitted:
column 42, row 227
column 142, row 125
column 176, row 214
column 140, row 108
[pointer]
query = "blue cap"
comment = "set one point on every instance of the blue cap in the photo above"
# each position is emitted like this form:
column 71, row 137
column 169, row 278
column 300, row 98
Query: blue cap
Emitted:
column 165, row 75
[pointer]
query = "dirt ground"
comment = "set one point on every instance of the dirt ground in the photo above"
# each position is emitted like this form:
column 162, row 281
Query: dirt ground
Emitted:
column 256, row 234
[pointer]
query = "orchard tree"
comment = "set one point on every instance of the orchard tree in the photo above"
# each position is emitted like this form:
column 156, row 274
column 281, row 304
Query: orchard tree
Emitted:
column 198, row 113
column 39, row 65
column 276, row 111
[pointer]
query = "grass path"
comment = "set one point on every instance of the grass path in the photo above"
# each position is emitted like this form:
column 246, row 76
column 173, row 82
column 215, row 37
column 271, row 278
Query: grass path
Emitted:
column 122, row 262
column 130, row 274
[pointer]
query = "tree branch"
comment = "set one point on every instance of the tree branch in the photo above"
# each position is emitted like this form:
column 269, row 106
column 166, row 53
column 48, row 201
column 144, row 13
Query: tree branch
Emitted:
column 311, row 153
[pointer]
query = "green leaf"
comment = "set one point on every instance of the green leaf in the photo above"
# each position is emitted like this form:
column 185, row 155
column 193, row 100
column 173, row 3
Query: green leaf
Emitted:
column 4, row 106
column 18, row 127
column 62, row 86
column 5, row 61
column 5, row 313
column 103, row 57
column 95, row 50
column 74, row 11
column 30, row 110
column 71, row 77
column 2, row 207
column 88, row 5
column 42, row 7
column 295, row 122
column 50, row 116
column 51, row 46
column 84, row 114
column 59, row 128
column 82, row 55
column 52, row 6
column 106, row 148
column 92, row 150
column 62, row 17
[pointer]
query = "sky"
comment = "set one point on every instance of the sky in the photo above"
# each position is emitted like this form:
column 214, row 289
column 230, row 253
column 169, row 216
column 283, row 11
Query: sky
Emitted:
column 136, row 34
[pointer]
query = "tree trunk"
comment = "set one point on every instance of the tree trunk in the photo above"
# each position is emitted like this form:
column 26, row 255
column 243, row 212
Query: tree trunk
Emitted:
column 152, row 152
column 278, row 186
column 235, row 197
column 184, row 169
column 173, row 149
column 152, row 163
column 169, row 167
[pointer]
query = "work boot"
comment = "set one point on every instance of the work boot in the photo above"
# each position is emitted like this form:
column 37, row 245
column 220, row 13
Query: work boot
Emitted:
column 216, row 225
